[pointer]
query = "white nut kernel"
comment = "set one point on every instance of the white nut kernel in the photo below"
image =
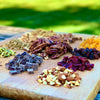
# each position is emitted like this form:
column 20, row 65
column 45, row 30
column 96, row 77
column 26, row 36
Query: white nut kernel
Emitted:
column 63, row 77
column 71, row 85
column 43, row 79
column 77, row 83
column 73, row 75
column 52, row 83
column 49, row 78
column 65, row 71
column 54, row 79
column 58, row 83
column 46, row 58
column 44, row 82
column 45, row 71
column 52, row 76
column 69, row 70
column 68, row 83
column 50, row 71
column 57, row 68
column 73, row 82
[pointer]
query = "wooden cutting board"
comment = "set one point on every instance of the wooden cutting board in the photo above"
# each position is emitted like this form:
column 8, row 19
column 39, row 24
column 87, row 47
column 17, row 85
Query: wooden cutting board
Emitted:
column 25, row 87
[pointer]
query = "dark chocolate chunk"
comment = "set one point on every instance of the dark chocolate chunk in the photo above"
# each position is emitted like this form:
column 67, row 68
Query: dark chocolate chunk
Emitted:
column 24, row 62
column 30, row 71
column 13, row 72
column 35, row 66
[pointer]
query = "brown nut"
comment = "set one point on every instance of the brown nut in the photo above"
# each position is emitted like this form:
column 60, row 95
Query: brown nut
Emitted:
column 57, row 83
column 68, row 86
column 42, row 73
column 62, row 82
column 50, row 78
column 62, row 69
column 77, row 78
column 62, row 77
column 70, row 79
column 76, row 74
column 53, row 69
column 54, row 73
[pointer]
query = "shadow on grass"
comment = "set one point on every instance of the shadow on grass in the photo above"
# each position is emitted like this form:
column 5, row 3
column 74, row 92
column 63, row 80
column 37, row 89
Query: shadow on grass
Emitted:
column 71, row 15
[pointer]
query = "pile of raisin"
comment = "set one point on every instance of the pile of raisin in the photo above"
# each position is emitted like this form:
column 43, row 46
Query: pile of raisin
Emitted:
column 88, row 53
column 76, row 63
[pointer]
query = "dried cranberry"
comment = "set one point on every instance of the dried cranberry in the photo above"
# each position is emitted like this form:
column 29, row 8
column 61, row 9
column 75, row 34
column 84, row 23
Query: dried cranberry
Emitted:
column 76, row 63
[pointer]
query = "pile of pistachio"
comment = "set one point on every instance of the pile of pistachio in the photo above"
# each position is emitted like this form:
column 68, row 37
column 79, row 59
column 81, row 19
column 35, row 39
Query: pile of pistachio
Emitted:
column 6, row 53
column 16, row 44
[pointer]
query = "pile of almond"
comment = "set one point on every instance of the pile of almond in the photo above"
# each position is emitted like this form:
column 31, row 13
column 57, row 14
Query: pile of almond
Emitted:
column 59, row 76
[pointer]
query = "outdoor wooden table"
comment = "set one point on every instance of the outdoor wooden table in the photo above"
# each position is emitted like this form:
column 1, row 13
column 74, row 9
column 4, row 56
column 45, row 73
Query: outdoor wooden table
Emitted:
column 11, row 31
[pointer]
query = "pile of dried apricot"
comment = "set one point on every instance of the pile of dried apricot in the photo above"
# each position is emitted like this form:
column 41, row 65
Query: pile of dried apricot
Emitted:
column 92, row 42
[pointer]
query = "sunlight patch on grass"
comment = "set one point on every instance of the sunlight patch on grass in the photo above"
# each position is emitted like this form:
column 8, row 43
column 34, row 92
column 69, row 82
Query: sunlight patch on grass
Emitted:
column 77, row 28
column 48, row 5
column 6, row 23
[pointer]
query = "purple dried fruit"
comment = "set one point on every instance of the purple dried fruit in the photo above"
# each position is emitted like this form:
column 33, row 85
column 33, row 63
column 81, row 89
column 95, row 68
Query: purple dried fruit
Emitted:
column 76, row 63
column 88, row 53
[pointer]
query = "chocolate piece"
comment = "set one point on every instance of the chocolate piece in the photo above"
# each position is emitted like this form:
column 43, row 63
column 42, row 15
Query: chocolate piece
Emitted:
column 13, row 72
column 30, row 71
column 35, row 66
column 22, row 62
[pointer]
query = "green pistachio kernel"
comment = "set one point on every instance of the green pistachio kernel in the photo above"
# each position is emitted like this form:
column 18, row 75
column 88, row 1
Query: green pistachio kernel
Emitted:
column 6, row 53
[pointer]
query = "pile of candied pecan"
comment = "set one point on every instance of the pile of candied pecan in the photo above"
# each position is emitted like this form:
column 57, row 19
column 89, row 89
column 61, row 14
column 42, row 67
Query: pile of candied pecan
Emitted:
column 52, row 47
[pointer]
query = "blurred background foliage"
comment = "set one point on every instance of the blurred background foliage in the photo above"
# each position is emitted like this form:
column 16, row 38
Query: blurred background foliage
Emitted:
column 78, row 16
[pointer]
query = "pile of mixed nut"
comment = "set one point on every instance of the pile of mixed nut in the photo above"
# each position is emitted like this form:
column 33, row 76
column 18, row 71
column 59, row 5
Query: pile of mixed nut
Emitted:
column 59, row 76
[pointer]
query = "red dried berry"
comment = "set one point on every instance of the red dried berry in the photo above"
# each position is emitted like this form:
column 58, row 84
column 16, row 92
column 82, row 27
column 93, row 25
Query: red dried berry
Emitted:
column 76, row 63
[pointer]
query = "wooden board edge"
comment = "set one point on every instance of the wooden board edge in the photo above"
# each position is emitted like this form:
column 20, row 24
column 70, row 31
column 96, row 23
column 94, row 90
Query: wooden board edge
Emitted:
column 19, row 94
column 94, row 92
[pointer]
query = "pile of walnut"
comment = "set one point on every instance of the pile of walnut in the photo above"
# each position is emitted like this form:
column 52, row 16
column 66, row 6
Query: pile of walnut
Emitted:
column 58, row 77
column 33, row 35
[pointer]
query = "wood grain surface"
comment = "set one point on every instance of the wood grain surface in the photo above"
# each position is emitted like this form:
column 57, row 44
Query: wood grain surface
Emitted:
column 25, row 87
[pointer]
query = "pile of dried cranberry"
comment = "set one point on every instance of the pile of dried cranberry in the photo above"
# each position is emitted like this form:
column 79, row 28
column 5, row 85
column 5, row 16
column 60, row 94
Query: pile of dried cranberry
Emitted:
column 88, row 53
column 76, row 63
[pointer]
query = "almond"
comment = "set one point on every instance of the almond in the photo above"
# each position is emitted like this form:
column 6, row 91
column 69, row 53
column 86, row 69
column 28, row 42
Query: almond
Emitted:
column 62, row 77
column 70, row 79
column 68, row 86
column 62, row 69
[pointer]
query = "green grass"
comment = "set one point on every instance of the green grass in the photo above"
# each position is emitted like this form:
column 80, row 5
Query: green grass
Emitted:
column 78, row 16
